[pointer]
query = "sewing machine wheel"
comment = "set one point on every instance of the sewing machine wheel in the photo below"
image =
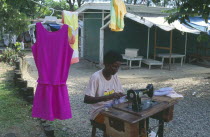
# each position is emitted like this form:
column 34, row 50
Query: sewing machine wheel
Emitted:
column 131, row 95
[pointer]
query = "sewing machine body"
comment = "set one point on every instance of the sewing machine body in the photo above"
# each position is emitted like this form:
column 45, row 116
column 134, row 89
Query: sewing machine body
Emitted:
column 135, row 97
column 145, row 104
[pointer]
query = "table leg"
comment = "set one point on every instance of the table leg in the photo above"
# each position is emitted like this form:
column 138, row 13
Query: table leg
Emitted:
column 139, row 63
column 160, row 128
column 147, row 126
column 181, row 61
column 143, row 128
column 162, row 59
column 130, row 64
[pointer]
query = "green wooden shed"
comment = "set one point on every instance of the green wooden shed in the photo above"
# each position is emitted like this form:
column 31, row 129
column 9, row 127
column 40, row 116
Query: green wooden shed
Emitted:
column 97, row 38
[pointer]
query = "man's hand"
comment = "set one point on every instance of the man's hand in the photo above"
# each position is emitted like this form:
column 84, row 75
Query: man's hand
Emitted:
column 93, row 100
column 116, row 95
column 122, row 94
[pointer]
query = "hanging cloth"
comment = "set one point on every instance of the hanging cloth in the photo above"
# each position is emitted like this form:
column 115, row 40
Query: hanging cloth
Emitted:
column 52, row 55
column 118, row 10
column 71, row 19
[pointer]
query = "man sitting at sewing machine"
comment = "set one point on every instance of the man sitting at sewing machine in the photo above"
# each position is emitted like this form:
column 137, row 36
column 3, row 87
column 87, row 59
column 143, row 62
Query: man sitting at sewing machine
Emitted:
column 104, row 86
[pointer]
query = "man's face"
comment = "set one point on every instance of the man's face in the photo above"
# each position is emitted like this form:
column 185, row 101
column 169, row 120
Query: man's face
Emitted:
column 113, row 68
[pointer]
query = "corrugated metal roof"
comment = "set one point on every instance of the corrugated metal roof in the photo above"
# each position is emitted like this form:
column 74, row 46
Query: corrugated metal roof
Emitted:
column 140, row 10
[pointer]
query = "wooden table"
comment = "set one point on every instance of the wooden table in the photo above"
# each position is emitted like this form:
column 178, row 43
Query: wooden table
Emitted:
column 130, row 59
column 151, row 62
column 121, row 122
column 173, row 56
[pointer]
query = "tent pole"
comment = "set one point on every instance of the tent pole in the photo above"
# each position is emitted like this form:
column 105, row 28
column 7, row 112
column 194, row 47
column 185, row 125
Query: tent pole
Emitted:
column 185, row 52
column 170, row 49
column 101, row 48
column 148, row 43
column 155, row 42
column 82, row 38
column 102, row 18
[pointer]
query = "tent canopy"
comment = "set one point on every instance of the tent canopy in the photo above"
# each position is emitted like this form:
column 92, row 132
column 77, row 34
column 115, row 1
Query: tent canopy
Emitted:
column 199, row 24
column 162, row 23
column 139, row 19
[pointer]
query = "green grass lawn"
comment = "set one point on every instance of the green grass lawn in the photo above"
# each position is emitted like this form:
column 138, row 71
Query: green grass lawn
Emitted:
column 15, row 113
column 13, row 110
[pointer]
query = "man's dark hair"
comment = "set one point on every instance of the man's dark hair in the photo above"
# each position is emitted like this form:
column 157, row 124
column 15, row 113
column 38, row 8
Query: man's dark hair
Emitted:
column 111, row 57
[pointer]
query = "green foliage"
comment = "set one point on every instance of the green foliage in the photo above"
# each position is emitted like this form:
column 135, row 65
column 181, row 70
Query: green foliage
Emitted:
column 45, row 11
column 15, row 15
column 17, row 46
column 23, row 6
column 203, row 38
column 13, row 19
column 10, row 55
column 190, row 8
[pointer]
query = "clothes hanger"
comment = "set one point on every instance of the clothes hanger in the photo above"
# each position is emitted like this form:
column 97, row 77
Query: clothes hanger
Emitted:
column 48, row 19
column 52, row 19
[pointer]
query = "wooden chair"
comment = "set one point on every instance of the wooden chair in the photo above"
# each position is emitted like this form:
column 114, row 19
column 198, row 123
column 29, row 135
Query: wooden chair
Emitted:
column 96, row 125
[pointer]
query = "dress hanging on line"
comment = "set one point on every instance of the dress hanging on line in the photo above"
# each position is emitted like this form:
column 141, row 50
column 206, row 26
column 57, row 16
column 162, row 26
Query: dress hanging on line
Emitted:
column 52, row 55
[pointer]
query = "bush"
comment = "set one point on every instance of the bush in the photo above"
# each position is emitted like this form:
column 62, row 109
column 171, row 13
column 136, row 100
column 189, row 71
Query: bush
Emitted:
column 17, row 46
column 10, row 55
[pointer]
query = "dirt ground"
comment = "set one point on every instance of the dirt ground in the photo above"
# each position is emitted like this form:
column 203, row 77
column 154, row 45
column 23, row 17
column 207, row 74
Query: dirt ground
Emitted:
column 191, row 115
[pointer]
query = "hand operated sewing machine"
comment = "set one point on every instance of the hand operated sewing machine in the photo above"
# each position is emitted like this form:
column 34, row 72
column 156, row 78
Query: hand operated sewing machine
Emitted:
column 129, row 120
column 135, row 96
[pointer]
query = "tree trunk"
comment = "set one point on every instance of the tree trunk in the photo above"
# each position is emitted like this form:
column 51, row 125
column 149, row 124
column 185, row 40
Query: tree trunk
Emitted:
column 80, row 2
column 71, row 4
column 71, row 7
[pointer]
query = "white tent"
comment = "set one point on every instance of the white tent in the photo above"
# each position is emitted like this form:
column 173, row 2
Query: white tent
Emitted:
column 184, row 28
column 139, row 19
column 162, row 23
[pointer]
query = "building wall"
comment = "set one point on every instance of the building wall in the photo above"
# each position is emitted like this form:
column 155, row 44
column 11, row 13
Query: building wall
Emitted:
column 200, row 48
column 163, row 40
column 92, row 25
column 135, row 35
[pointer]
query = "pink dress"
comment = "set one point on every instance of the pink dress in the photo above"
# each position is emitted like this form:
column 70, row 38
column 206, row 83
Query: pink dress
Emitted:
column 52, row 55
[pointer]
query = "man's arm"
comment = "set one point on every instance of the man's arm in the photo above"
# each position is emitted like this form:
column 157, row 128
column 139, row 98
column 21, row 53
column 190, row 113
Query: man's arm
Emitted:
column 93, row 100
